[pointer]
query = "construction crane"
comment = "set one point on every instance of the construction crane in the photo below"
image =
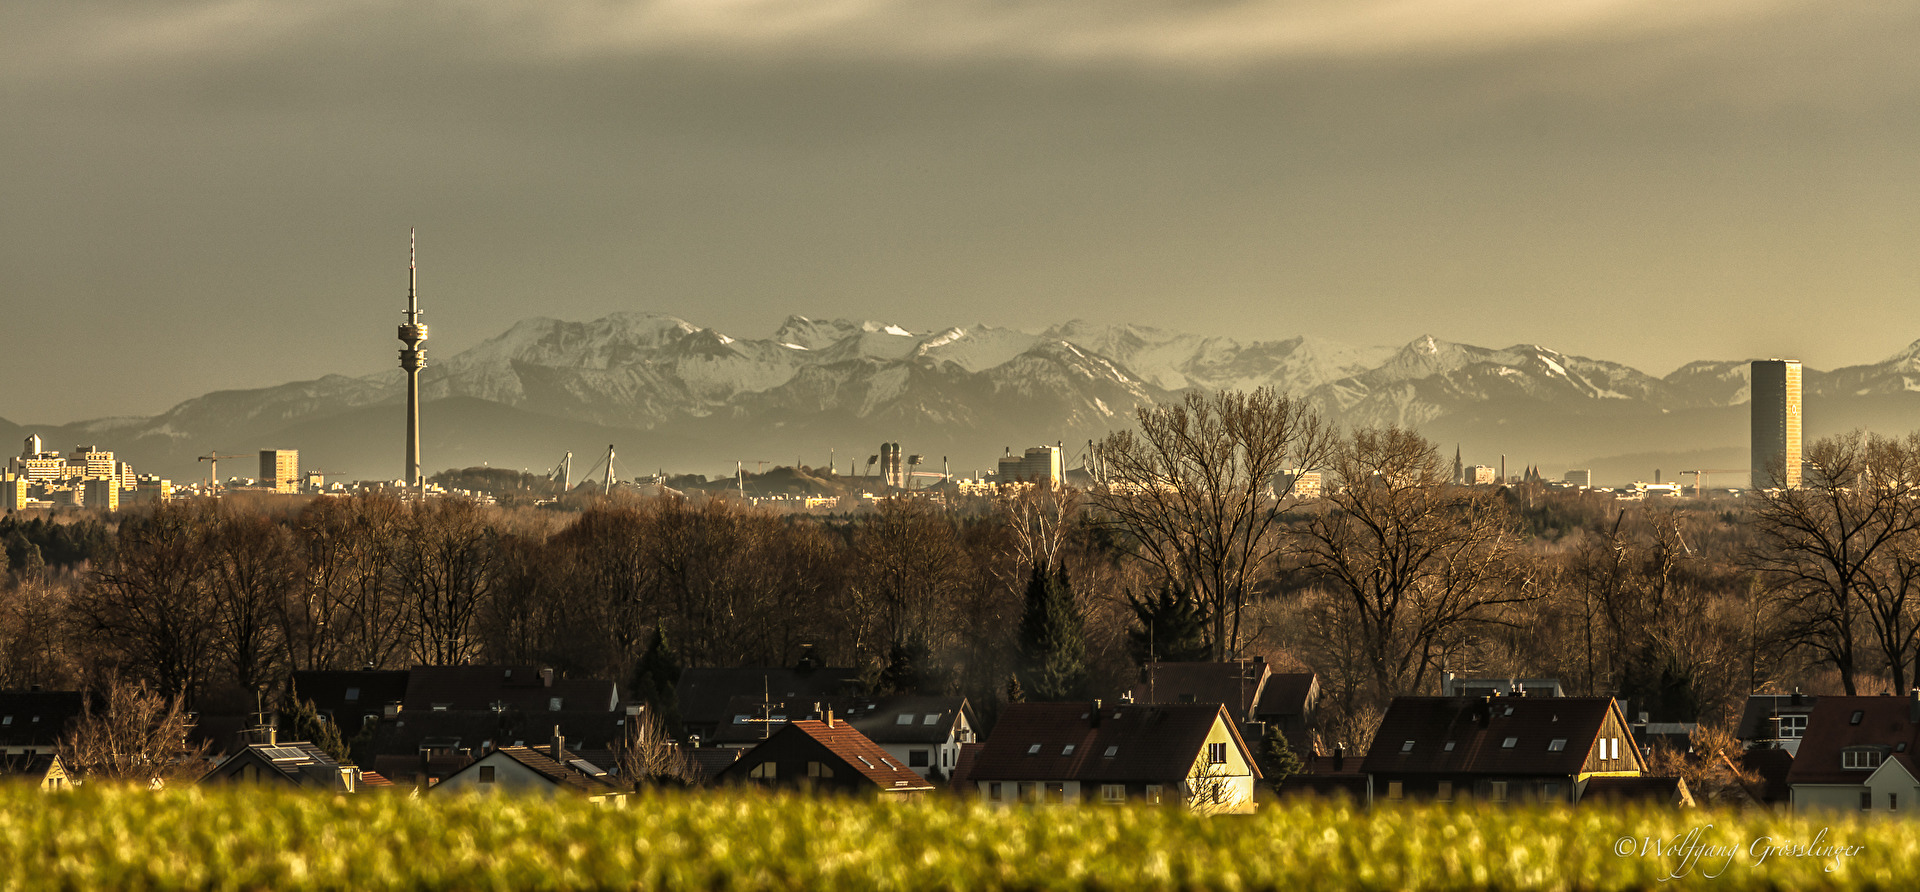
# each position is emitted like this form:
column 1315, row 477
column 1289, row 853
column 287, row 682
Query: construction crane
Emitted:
column 1700, row 478
column 213, row 470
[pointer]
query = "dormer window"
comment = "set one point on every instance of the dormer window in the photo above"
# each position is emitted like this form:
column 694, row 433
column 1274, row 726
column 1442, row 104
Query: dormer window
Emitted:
column 1860, row 758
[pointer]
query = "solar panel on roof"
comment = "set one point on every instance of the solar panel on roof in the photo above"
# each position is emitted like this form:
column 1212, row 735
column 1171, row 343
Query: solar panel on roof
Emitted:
column 285, row 753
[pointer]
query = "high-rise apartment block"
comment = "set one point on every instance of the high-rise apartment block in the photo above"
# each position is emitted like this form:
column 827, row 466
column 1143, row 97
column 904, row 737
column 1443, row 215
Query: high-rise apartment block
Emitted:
column 1582, row 478
column 1776, row 423
column 280, row 469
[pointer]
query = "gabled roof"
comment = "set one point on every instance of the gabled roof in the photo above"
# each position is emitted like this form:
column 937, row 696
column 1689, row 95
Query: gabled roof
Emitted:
column 1889, row 724
column 706, row 761
column 571, row 776
column 372, row 690
column 1236, row 683
column 1760, row 706
column 37, row 718
column 962, row 775
column 1071, row 741
column 880, row 719
column 861, row 754
column 27, row 768
column 703, row 693
column 1478, row 728
column 297, row 761
column 1287, row 694
column 526, row 688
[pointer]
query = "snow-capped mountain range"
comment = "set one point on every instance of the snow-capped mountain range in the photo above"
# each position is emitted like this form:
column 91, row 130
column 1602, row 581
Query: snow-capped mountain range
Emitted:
column 669, row 393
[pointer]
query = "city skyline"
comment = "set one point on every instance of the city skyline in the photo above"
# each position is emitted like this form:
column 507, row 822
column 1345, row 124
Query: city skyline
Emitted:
column 1608, row 178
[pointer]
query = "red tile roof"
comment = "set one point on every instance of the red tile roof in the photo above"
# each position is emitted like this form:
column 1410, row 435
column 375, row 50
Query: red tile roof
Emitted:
column 1891, row 723
column 1478, row 729
column 862, row 755
column 1154, row 744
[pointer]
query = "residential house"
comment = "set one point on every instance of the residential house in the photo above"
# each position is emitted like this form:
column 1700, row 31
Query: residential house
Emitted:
column 45, row 771
column 1330, row 777
column 1498, row 749
column 710, row 699
column 295, row 763
column 449, row 716
column 827, row 754
column 352, row 698
column 32, row 722
column 1093, row 752
column 1255, row 696
column 1648, row 789
column 923, row 733
column 1454, row 685
column 1775, row 721
column 526, row 770
column 1857, row 755
column 525, row 689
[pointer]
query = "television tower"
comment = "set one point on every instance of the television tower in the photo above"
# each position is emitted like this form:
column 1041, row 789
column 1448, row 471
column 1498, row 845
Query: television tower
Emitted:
column 412, row 360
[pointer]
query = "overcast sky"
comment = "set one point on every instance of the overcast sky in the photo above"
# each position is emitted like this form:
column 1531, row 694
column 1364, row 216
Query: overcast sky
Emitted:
column 206, row 195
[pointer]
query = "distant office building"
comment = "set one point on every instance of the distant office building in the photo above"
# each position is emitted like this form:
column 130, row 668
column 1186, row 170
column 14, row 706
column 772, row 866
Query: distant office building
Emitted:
column 1298, row 484
column 280, row 469
column 101, row 494
column 1039, row 466
column 1776, row 423
column 1581, row 478
column 1474, row 475
column 13, row 492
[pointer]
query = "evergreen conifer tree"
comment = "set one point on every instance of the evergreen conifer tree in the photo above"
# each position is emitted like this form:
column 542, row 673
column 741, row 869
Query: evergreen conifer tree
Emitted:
column 1053, row 641
column 654, row 679
column 1277, row 759
column 1171, row 627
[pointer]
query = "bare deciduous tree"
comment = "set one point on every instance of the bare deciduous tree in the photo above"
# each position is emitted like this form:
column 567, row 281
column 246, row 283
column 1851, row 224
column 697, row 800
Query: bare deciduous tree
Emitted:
column 140, row 737
column 152, row 604
column 1192, row 494
column 1414, row 562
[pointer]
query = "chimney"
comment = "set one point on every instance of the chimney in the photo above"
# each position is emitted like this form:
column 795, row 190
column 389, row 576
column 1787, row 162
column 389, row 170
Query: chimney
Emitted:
column 559, row 746
column 1339, row 757
column 1796, row 696
column 1094, row 712
column 1913, row 706
column 546, row 678
column 829, row 716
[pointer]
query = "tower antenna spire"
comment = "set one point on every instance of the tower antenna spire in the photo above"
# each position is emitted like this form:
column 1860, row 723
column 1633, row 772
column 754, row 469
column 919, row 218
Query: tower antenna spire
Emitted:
column 412, row 359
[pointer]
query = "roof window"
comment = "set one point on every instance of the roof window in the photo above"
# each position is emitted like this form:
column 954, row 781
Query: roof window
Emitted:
column 906, row 718
column 1407, row 747
column 1858, row 714
column 1509, row 711
column 1449, row 746
column 933, row 718
column 1113, row 751
column 1557, row 744
column 1509, row 743
column 1067, row 750
column 1033, row 750
column 353, row 695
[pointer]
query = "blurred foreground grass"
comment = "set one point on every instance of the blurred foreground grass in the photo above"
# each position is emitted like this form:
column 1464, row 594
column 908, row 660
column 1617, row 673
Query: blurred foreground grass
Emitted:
column 108, row 838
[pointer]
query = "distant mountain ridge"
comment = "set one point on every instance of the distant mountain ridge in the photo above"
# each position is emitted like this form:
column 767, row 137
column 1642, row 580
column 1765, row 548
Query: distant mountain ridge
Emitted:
column 676, row 395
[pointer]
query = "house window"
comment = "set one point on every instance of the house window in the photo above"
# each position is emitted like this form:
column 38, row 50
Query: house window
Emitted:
column 1113, row 751
column 1056, row 792
column 1407, row 747
column 1793, row 727
column 1550, row 791
column 1860, row 758
column 1186, row 698
column 765, row 771
column 993, row 791
column 1557, row 744
column 1113, row 792
column 1893, row 802
column 486, row 774
column 1153, row 793
column 1067, row 750
column 1499, row 791
column 553, row 704
column 1029, row 791
column 1216, row 754
column 1449, row 746
column 904, row 719
column 916, row 758
column 353, row 695
column 1509, row 743
column 1445, row 791
column 1866, row 800
column 818, row 769
column 1033, row 750
column 1395, row 790
column 932, row 719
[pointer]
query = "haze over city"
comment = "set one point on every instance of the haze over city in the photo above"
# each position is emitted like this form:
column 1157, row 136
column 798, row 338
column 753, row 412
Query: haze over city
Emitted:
column 217, row 194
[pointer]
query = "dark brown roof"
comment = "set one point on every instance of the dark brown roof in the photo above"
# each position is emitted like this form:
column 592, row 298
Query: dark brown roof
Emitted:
column 879, row 718
column 962, row 776
column 1236, row 683
column 1287, row 694
column 1155, row 744
column 1478, row 729
column 37, row 718
column 703, row 693
column 1760, row 706
column 706, row 761
column 372, row 690
column 30, row 768
column 1890, row 723
column 526, row 688
column 1772, row 765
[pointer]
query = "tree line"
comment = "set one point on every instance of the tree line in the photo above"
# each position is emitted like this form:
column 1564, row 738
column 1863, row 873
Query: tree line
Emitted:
column 1189, row 544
